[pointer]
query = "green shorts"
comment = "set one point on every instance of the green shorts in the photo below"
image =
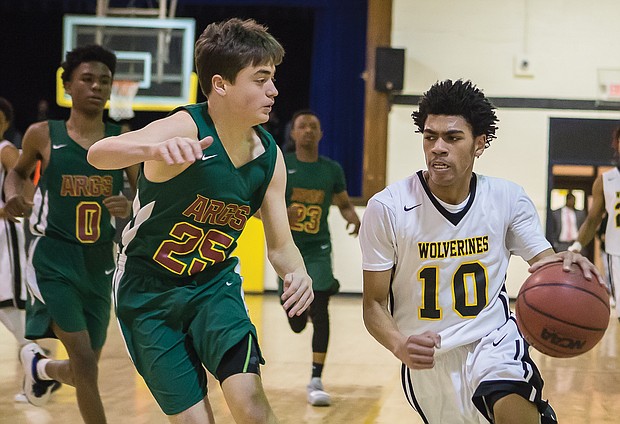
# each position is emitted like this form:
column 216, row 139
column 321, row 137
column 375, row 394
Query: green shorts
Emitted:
column 318, row 261
column 172, row 329
column 72, row 286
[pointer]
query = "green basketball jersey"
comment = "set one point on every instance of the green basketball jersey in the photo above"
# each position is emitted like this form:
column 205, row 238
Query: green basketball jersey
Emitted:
column 191, row 223
column 68, row 203
column 310, row 187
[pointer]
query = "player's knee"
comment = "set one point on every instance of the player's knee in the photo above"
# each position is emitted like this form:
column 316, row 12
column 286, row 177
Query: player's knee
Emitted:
column 298, row 323
column 298, row 328
column 257, row 411
column 242, row 358
column 513, row 409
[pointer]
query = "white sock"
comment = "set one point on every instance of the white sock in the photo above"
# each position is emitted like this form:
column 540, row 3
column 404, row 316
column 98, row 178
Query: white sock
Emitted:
column 15, row 321
column 41, row 369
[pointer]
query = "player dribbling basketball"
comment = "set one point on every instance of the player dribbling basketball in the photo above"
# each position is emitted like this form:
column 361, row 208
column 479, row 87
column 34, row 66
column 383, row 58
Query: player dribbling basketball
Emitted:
column 435, row 251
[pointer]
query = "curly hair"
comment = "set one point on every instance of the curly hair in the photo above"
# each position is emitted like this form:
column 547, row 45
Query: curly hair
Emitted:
column 458, row 98
column 90, row 53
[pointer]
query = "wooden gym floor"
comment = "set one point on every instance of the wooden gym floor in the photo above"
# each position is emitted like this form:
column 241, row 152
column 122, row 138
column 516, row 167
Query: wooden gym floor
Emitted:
column 361, row 376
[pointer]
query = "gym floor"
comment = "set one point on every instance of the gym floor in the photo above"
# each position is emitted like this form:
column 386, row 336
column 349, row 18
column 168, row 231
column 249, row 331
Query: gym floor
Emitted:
column 362, row 377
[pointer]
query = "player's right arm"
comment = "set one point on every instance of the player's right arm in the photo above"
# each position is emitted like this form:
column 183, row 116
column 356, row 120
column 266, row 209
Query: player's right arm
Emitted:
column 416, row 351
column 8, row 158
column 17, row 187
column 594, row 218
column 170, row 141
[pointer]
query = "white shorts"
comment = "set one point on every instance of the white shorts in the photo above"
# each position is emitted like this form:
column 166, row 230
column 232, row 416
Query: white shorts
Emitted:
column 613, row 271
column 12, row 264
column 460, row 387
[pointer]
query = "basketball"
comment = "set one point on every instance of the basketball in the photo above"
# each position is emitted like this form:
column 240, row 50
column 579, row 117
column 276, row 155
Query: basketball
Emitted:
column 561, row 314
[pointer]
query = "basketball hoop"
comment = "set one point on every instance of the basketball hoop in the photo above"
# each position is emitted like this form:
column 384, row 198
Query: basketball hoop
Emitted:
column 121, row 99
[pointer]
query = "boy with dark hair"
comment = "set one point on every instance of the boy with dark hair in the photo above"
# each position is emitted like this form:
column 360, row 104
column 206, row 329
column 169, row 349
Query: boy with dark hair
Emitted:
column 12, row 244
column 207, row 168
column 73, row 218
column 91, row 53
column 315, row 182
column 435, row 250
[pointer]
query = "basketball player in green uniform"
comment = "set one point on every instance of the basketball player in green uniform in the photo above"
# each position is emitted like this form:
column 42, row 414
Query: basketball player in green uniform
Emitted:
column 313, row 183
column 207, row 169
column 72, row 259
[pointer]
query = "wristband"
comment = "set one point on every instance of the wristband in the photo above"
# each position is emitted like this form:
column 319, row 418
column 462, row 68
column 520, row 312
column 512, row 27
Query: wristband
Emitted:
column 575, row 247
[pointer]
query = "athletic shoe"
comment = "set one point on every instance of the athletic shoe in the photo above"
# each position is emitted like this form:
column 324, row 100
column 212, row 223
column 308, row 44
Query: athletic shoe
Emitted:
column 56, row 386
column 548, row 417
column 316, row 395
column 37, row 391
column 20, row 398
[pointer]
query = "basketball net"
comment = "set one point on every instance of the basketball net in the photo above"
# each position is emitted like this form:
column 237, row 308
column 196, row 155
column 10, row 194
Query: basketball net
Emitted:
column 121, row 99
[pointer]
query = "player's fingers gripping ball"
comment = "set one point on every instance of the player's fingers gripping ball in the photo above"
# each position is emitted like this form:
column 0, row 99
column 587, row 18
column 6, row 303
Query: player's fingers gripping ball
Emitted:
column 560, row 313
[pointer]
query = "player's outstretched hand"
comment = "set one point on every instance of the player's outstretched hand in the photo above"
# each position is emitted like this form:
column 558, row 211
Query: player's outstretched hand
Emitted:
column 17, row 207
column 590, row 271
column 298, row 294
column 118, row 205
column 180, row 150
column 418, row 351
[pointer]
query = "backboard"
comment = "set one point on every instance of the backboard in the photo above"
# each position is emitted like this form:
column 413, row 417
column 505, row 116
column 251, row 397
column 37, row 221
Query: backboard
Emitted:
column 158, row 53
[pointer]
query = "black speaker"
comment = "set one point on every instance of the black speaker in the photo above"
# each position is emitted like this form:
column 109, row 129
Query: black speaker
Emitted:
column 389, row 69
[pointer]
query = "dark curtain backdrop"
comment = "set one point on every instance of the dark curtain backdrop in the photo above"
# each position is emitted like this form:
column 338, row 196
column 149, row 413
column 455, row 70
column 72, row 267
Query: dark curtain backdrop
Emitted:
column 328, row 62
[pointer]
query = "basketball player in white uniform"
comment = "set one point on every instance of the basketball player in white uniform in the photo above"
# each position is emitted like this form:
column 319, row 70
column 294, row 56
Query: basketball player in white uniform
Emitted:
column 606, row 198
column 435, row 250
column 12, row 242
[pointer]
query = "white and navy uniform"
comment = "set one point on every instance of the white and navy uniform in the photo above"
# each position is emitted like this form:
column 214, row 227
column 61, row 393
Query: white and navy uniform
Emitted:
column 449, row 267
column 611, row 190
column 12, row 254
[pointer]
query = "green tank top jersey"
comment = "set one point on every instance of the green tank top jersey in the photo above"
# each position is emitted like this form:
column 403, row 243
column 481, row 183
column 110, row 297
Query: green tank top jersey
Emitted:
column 68, row 203
column 310, row 187
column 190, row 224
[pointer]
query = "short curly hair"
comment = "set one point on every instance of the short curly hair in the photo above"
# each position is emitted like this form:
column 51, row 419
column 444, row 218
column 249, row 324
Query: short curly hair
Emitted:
column 90, row 53
column 458, row 98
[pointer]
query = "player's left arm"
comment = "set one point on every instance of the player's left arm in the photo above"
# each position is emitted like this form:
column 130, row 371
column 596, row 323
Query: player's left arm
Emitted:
column 347, row 210
column 568, row 258
column 595, row 216
column 525, row 236
column 8, row 158
column 281, row 249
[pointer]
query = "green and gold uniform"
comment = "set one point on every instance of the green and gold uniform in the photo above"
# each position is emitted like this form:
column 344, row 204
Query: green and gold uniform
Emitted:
column 72, row 259
column 178, row 290
column 310, row 188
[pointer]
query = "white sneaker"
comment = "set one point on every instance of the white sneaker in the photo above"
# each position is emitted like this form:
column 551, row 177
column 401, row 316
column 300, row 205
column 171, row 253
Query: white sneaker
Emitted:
column 20, row 398
column 36, row 391
column 316, row 395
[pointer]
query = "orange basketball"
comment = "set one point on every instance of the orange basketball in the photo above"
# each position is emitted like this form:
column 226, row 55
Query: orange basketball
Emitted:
column 560, row 313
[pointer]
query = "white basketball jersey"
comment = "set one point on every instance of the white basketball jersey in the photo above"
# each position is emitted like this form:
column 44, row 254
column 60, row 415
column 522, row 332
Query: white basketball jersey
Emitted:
column 611, row 189
column 449, row 269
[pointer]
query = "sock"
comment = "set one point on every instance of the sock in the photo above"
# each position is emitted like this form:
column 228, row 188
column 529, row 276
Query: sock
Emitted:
column 14, row 320
column 41, row 374
column 317, row 370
